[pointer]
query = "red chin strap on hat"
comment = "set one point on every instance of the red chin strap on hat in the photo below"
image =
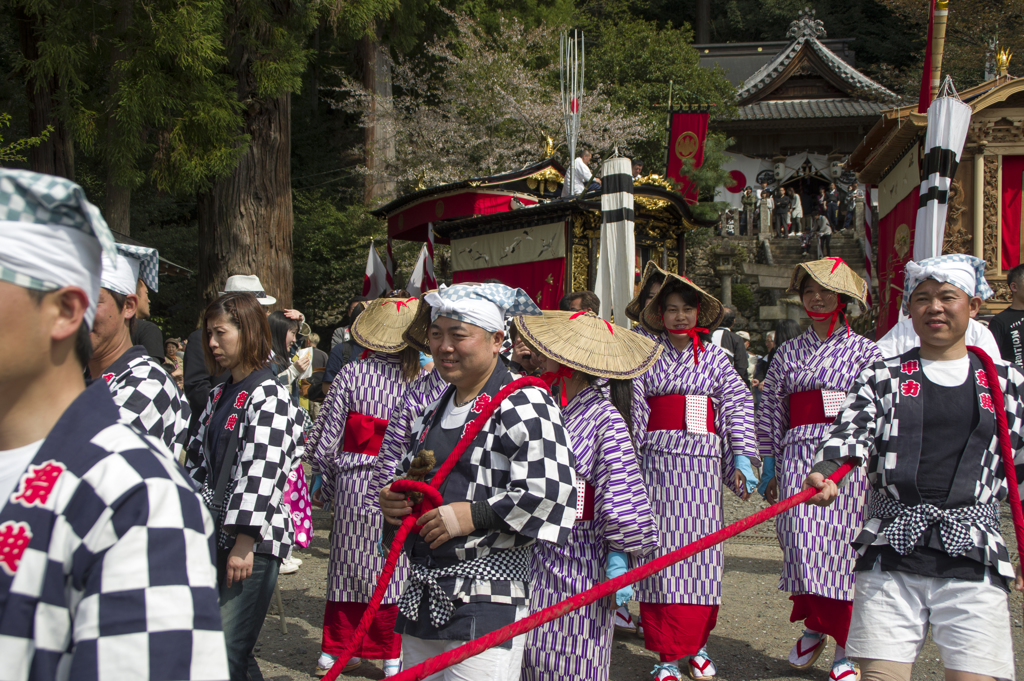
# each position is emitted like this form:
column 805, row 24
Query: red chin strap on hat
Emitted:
column 553, row 377
column 695, row 340
column 833, row 315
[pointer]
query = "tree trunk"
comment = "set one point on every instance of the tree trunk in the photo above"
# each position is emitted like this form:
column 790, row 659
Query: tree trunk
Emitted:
column 55, row 156
column 245, row 219
column 703, row 22
column 379, row 137
column 117, row 205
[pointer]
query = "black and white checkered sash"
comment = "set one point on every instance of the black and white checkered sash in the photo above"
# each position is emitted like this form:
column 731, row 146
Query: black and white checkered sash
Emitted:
column 910, row 522
column 510, row 565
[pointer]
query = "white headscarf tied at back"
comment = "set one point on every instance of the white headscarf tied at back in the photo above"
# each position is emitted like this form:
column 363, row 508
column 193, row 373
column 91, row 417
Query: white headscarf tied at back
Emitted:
column 965, row 272
column 122, row 272
column 483, row 305
column 50, row 235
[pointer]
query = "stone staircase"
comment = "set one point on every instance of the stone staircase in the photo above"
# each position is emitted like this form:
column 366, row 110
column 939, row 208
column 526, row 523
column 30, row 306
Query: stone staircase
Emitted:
column 785, row 256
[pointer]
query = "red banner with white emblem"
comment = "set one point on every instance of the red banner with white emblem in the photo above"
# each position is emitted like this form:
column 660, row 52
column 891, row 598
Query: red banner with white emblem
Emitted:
column 687, row 133
column 895, row 248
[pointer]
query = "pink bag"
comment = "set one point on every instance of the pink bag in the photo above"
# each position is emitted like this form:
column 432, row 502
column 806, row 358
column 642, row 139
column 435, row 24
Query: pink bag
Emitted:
column 296, row 500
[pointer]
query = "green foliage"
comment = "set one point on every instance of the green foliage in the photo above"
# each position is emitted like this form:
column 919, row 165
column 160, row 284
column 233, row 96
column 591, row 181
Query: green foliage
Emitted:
column 176, row 118
column 331, row 245
column 13, row 151
column 743, row 298
column 710, row 176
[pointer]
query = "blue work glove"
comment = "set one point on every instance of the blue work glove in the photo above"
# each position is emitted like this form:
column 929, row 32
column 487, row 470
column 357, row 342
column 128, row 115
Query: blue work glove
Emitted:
column 767, row 473
column 744, row 466
column 618, row 564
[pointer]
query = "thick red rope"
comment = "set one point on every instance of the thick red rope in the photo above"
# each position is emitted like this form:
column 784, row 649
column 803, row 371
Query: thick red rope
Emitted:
column 1005, row 447
column 432, row 499
column 468, row 650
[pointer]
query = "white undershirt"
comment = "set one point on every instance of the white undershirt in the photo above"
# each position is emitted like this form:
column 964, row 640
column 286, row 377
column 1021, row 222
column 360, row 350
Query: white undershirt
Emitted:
column 13, row 463
column 453, row 416
column 949, row 373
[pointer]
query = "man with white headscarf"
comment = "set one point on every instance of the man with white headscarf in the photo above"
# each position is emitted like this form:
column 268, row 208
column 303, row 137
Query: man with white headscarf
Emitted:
column 514, row 485
column 106, row 564
column 930, row 554
column 145, row 393
column 902, row 336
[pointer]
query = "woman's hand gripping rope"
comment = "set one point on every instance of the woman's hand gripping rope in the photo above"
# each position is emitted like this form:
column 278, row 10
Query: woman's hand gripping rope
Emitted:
column 468, row 650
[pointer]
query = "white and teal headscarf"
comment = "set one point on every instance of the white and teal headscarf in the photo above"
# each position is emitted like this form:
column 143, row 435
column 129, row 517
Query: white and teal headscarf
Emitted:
column 966, row 272
column 50, row 235
column 122, row 272
column 483, row 305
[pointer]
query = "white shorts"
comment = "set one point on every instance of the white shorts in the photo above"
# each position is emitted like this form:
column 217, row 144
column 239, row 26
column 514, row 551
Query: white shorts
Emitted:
column 970, row 621
column 496, row 664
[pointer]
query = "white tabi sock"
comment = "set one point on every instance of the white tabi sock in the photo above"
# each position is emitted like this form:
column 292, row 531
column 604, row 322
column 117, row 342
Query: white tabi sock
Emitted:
column 840, row 653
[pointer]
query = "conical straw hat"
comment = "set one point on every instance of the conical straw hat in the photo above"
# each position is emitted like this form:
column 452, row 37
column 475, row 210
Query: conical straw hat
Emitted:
column 381, row 325
column 709, row 316
column 584, row 341
column 833, row 274
column 651, row 273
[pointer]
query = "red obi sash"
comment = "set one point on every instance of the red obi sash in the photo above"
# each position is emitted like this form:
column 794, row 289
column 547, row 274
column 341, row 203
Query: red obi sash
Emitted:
column 363, row 434
column 814, row 406
column 695, row 413
column 584, row 500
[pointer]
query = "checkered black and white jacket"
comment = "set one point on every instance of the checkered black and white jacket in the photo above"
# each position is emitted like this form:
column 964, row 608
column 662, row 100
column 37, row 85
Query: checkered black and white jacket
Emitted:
column 271, row 445
column 148, row 397
column 522, row 465
column 880, row 423
column 106, row 559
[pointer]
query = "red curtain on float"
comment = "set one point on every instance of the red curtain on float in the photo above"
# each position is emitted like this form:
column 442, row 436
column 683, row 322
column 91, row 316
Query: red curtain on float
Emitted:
column 544, row 281
column 1013, row 172
column 686, row 140
column 895, row 237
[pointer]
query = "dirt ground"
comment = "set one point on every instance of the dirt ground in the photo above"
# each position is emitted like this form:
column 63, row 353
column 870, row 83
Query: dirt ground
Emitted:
column 751, row 641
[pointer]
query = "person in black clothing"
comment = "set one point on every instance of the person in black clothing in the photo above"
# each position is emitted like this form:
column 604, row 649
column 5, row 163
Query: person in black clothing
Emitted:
column 580, row 301
column 346, row 349
column 1008, row 325
column 733, row 345
column 782, row 203
column 832, row 206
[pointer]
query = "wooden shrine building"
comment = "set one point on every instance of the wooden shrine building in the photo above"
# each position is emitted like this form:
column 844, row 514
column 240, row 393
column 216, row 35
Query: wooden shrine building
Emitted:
column 516, row 228
column 985, row 217
column 805, row 99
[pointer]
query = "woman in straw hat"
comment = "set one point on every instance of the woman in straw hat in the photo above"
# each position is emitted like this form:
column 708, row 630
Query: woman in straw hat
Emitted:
column 694, row 422
column 591, row 368
column 650, row 285
column 344, row 448
column 805, row 386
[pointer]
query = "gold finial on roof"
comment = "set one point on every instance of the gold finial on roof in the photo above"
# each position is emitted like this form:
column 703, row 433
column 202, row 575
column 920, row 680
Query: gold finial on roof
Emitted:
column 549, row 147
column 1003, row 61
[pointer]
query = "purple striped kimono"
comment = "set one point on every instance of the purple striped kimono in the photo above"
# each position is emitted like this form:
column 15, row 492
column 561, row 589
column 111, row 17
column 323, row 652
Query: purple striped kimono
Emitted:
column 578, row 645
column 373, row 387
column 684, row 471
column 817, row 555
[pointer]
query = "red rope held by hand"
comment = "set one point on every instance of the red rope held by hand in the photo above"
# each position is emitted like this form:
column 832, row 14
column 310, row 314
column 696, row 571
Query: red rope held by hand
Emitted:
column 431, row 499
column 468, row 650
column 1005, row 447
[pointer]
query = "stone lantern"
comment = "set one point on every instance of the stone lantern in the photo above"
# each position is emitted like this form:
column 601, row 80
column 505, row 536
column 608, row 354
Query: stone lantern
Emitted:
column 725, row 270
